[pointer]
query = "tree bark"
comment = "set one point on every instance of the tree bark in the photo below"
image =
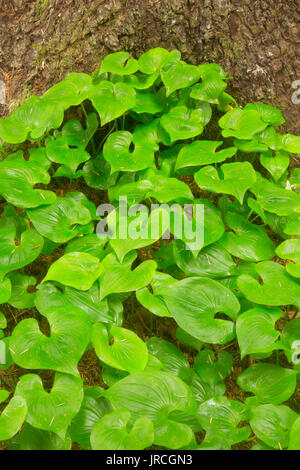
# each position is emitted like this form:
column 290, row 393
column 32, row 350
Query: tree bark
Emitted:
column 256, row 41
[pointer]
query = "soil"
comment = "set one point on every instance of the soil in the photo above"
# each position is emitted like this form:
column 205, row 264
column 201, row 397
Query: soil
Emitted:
column 255, row 41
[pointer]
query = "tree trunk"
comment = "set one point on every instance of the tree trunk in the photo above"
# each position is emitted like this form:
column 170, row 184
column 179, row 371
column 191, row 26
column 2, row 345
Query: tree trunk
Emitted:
column 256, row 41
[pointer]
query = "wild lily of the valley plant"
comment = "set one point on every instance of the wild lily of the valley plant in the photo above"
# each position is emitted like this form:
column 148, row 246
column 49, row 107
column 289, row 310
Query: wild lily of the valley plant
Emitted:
column 141, row 130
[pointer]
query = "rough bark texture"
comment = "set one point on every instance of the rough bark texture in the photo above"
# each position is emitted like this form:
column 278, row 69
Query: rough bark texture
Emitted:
column 256, row 41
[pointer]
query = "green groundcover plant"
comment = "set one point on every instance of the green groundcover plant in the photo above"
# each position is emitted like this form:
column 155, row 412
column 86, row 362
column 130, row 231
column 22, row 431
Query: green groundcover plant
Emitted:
column 156, row 130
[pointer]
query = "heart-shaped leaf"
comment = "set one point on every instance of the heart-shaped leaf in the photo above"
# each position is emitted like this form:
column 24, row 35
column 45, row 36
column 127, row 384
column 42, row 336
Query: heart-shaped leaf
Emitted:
column 193, row 302
column 16, row 253
column 247, row 241
column 294, row 437
column 117, row 152
column 242, row 123
column 96, row 173
column 278, row 287
column 59, row 151
column 275, row 199
column 120, row 348
column 75, row 269
column 176, row 74
column 17, row 179
column 268, row 113
column 151, row 61
column 183, row 123
column 211, row 371
column 171, row 358
column 290, row 249
column 12, row 418
column 237, row 179
column 117, row 277
column 213, row 261
column 59, row 221
column 155, row 395
column 220, row 418
column 61, row 351
column 272, row 424
column 107, row 311
column 255, row 330
column 52, row 411
column 269, row 382
column 276, row 165
column 210, row 89
column 111, row 432
column 119, row 63
column 20, row 296
column 112, row 100
column 37, row 439
column 93, row 408
column 203, row 152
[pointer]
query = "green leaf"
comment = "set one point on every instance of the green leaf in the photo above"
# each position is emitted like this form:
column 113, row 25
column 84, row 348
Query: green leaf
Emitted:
column 76, row 135
column 237, row 179
column 116, row 151
column 203, row 152
column 59, row 221
column 111, row 432
column 58, row 151
column 272, row 424
column 148, row 103
column 52, row 411
column 152, row 302
column 269, row 382
column 16, row 253
column 220, row 418
column 149, row 230
column 193, row 302
column 20, row 297
column 92, row 243
column 246, row 241
column 290, row 143
column 79, row 270
column 171, row 358
column 278, row 287
column 211, row 371
column 151, row 61
column 117, row 277
column 120, row 348
column 37, row 439
column 96, row 173
column 290, row 338
column 268, row 113
column 5, row 291
column 12, row 418
column 112, row 100
column 31, row 120
column 294, row 437
column 161, row 188
column 119, row 63
column 93, row 408
column 213, row 261
column 106, row 311
column 290, row 249
column 242, row 123
column 275, row 199
column 154, row 395
column 17, row 179
column 255, row 330
column 209, row 90
column 276, row 165
column 176, row 74
column 61, row 351
column 183, row 123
